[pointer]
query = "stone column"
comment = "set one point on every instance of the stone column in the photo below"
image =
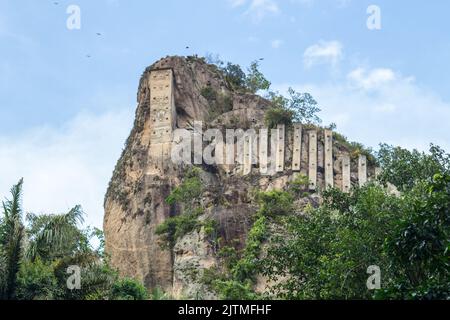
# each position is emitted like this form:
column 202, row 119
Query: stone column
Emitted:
column 280, row 148
column 248, row 151
column 362, row 170
column 297, row 148
column 263, row 151
column 346, row 180
column 329, row 174
column 312, row 160
column 162, row 117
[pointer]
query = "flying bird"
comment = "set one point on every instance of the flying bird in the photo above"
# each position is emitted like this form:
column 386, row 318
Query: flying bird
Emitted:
column 99, row 34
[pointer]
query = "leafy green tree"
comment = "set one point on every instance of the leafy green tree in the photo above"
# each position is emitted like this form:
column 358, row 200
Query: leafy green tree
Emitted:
column 255, row 80
column 37, row 281
column 297, row 107
column 56, row 236
column 325, row 253
column 403, row 168
column 275, row 116
column 235, row 77
column 419, row 250
column 252, row 81
column 129, row 289
column 304, row 106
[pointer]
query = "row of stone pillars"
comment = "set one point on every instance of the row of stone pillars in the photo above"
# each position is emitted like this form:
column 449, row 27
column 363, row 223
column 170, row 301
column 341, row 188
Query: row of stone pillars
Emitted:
column 280, row 152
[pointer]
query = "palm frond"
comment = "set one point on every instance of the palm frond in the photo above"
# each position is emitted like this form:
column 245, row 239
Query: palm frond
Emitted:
column 11, row 236
column 56, row 230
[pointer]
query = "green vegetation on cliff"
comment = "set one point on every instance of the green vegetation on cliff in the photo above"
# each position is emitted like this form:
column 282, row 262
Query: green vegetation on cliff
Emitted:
column 187, row 195
column 237, row 279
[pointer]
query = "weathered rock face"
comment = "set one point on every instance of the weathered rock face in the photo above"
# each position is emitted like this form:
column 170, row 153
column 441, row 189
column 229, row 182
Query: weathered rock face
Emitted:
column 135, row 201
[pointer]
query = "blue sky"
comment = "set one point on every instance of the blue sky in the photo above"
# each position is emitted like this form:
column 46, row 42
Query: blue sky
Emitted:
column 65, row 115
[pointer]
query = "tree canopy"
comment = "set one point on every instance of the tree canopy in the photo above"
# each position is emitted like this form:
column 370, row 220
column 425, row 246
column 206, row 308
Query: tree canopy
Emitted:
column 326, row 252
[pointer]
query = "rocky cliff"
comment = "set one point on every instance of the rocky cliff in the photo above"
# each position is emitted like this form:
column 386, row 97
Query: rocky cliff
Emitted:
column 135, row 201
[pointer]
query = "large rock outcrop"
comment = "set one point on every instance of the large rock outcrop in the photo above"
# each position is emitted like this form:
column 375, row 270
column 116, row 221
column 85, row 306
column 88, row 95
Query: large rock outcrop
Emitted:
column 135, row 201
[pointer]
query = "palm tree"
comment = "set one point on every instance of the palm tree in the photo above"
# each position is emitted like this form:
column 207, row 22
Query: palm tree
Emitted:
column 11, row 236
column 50, row 234
column 55, row 241
column 55, row 235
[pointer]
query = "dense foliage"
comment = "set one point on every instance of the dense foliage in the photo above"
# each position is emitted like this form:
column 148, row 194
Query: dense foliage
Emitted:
column 325, row 253
column 35, row 257
column 404, row 168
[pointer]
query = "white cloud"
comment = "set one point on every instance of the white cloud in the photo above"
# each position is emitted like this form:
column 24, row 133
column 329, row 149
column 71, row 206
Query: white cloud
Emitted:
column 384, row 106
column 257, row 9
column 323, row 52
column 276, row 43
column 66, row 166
column 372, row 79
